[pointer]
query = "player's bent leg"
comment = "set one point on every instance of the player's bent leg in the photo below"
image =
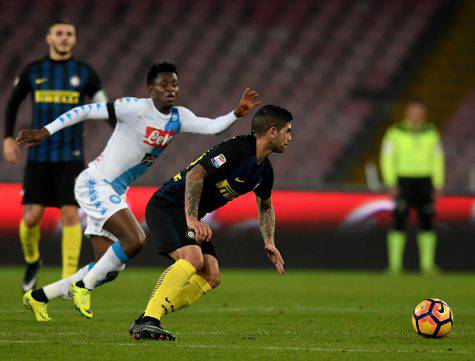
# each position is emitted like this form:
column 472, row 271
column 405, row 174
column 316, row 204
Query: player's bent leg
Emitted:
column 126, row 228
column 37, row 300
column 81, row 295
column 188, row 259
column 200, row 284
column 148, row 326
column 29, row 231
column 72, row 239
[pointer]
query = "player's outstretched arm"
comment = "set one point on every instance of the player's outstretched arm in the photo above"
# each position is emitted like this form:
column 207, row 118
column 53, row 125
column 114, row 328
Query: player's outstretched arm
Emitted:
column 193, row 188
column 32, row 137
column 267, row 228
column 190, row 123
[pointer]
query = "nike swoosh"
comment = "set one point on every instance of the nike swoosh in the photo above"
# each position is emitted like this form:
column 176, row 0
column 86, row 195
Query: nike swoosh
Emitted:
column 41, row 80
column 239, row 180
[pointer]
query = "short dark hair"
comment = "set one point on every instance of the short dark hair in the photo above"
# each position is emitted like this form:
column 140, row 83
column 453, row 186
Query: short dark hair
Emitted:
column 158, row 68
column 270, row 116
column 58, row 22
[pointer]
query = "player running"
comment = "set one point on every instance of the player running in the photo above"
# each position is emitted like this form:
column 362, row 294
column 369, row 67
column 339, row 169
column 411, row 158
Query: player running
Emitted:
column 144, row 128
column 227, row 171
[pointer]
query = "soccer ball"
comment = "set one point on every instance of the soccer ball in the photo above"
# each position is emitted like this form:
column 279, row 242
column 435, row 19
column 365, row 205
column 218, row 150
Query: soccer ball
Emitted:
column 433, row 318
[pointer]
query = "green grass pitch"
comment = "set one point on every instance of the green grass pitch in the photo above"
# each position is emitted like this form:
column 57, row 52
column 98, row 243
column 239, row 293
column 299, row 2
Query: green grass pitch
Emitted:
column 253, row 315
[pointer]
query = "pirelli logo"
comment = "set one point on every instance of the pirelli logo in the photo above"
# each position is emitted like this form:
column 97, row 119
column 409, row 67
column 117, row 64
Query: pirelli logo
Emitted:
column 226, row 190
column 57, row 96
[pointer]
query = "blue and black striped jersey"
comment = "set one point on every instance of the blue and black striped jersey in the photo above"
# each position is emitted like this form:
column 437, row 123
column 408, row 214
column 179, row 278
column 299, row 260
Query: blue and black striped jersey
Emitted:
column 231, row 171
column 56, row 87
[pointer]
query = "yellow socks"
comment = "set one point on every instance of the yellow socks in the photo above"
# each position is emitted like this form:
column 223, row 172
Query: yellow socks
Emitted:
column 168, row 286
column 30, row 240
column 396, row 243
column 71, row 249
column 191, row 291
column 427, row 242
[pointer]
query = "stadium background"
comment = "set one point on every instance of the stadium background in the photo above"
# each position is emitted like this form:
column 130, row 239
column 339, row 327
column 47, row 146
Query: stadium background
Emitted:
column 345, row 69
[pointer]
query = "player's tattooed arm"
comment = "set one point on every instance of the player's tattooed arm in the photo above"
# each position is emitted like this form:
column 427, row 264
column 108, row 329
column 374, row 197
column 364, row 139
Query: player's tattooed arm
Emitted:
column 193, row 188
column 266, row 219
column 267, row 227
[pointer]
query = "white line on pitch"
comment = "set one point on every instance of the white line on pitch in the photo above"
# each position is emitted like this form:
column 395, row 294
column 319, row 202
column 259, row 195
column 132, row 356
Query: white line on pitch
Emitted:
column 235, row 347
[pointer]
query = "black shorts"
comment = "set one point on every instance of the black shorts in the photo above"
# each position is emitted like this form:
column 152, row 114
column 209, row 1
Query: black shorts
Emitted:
column 167, row 224
column 416, row 192
column 51, row 184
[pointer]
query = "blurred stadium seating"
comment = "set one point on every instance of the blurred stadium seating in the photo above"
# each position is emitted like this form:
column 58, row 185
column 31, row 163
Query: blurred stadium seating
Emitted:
column 306, row 55
column 460, row 154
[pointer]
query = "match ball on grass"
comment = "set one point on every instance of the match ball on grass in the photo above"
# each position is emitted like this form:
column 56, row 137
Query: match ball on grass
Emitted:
column 433, row 318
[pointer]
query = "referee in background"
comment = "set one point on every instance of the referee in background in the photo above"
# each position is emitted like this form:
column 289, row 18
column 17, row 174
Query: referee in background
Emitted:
column 57, row 83
column 412, row 164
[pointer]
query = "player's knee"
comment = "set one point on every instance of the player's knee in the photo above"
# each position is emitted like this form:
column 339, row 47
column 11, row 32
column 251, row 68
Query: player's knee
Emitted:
column 69, row 217
column 426, row 224
column 135, row 240
column 32, row 219
column 214, row 279
column 426, row 217
column 195, row 258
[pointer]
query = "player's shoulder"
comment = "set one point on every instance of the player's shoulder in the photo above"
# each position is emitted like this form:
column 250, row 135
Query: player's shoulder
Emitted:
column 33, row 64
column 246, row 141
column 430, row 127
column 243, row 144
column 130, row 102
column 83, row 64
column 183, row 111
column 129, row 106
column 239, row 148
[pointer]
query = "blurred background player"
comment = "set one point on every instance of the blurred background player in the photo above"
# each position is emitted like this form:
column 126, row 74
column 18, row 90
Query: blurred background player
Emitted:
column 225, row 172
column 412, row 164
column 57, row 83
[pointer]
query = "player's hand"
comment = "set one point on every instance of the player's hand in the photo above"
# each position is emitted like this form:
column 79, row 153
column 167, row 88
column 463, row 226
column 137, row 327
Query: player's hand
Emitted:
column 247, row 103
column 275, row 257
column 31, row 137
column 436, row 194
column 11, row 151
column 202, row 230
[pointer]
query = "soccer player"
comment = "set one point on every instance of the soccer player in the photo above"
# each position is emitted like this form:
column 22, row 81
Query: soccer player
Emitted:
column 412, row 164
column 225, row 172
column 57, row 83
column 144, row 128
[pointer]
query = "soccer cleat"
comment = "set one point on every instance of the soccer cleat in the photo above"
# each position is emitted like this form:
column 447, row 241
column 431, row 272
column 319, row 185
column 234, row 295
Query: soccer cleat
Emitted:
column 149, row 328
column 29, row 279
column 136, row 322
column 39, row 309
column 82, row 299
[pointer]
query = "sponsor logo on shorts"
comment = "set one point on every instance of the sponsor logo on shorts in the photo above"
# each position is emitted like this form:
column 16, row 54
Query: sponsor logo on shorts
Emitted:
column 190, row 234
column 158, row 137
column 219, row 160
column 115, row 199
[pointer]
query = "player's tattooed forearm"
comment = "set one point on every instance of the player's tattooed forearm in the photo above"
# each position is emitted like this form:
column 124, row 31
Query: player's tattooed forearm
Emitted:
column 194, row 186
column 266, row 218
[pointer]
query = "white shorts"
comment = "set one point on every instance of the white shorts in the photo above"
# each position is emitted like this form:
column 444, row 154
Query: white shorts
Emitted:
column 99, row 201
